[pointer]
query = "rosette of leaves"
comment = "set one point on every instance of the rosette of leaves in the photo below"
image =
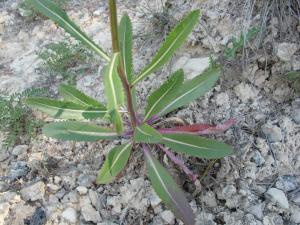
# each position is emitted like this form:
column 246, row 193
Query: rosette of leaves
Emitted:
column 138, row 132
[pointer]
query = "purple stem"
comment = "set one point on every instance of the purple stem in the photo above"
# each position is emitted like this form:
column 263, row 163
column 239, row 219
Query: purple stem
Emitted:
column 220, row 128
column 179, row 162
column 146, row 149
column 153, row 119
column 165, row 131
column 127, row 133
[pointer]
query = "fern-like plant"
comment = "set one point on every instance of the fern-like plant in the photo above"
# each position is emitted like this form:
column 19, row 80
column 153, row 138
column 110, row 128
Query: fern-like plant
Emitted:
column 16, row 118
column 138, row 133
column 65, row 59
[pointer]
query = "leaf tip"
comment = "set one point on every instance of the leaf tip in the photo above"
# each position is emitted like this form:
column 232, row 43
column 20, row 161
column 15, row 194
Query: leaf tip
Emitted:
column 196, row 13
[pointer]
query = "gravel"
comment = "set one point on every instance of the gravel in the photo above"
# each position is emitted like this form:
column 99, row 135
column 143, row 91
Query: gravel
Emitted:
column 257, row 185
column 278, row 196
column 33, row 192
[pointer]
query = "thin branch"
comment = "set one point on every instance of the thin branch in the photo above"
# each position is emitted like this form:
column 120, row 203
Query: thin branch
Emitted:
column 153, row 119
column 179, row 163
column 210, row 165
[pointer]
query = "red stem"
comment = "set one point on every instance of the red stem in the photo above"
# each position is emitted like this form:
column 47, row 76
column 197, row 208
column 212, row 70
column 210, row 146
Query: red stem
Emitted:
column 179, row 163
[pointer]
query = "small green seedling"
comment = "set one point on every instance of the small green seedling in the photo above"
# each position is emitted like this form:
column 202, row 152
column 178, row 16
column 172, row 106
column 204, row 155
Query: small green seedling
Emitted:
column 238, row 44
column 137, row 132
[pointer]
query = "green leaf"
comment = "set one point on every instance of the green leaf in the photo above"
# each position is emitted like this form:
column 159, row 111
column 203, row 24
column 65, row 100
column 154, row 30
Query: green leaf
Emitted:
column 134, row 98
column 125, row 36
column 115, row 162
column 51, row 10
column 72, row 94
column 116, row 118
column 76, row 131
column 114, row 92
column 245, row 37
column 66, row 110
column 174, row 40
column 293, row 75
column 125, row 39
column 146, row 134
column 196, row 146
column 191, row 90
column 162, row 96
column 167, row 190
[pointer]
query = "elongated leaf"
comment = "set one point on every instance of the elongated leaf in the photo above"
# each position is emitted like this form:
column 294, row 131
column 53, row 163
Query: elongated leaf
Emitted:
column 115, row 162
column 49, row 9
column 76, row 131
column 114, row 92
column 113, row 86
column 197, row 146
column 162, row 96
column 167, row 190
column 125, row 36
column 200, row 128
column 174, row 40
column 66, row 110
column 72, row 94
column 191, row 90
column 116, row 118
column 146, row 134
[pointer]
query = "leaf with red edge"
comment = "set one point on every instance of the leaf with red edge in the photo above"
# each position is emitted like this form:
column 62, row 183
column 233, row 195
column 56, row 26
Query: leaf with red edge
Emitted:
column 200, row 128
column 220, row 128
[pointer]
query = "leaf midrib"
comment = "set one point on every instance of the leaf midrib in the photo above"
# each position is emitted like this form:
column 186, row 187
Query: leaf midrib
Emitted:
column 77, row 98
column 178, row 98
column 119, row 155
column 184, row 143
column 68, row 109
column 143, row 132
column 166, row 52
column 124, row 49
column 78, row 33
column 163, row 184
column 110, row 77
column 95, row 134
column 158, row 100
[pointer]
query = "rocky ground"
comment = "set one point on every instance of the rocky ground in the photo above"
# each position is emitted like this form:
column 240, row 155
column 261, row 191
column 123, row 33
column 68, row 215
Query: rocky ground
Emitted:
column 51, row 182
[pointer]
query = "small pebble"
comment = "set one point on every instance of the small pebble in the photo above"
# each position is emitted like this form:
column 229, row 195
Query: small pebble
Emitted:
column 70, row 215
column 272, row 133
column 82, row 190
column 34, row 192
column 278, row 197
column 168, row 217
column 38, row 218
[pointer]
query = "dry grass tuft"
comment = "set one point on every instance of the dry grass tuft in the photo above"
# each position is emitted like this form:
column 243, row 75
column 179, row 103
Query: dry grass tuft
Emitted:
column 283, row 14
